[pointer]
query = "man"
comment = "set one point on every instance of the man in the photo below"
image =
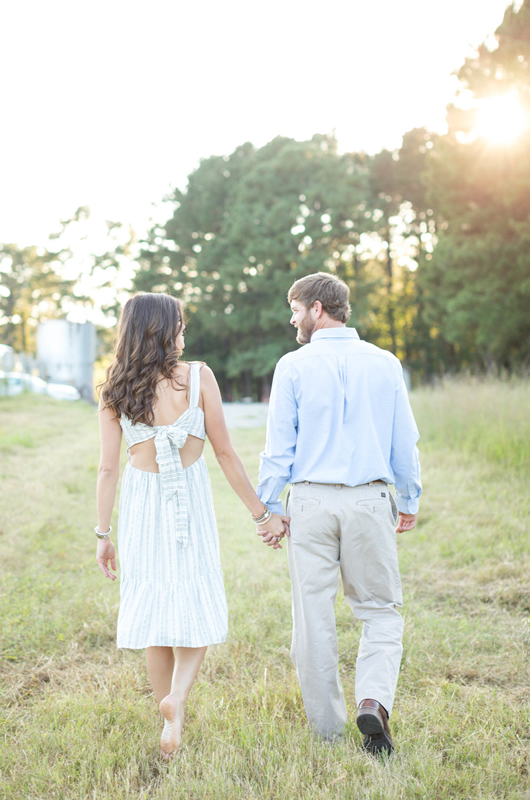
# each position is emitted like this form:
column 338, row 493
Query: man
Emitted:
column 340, row 429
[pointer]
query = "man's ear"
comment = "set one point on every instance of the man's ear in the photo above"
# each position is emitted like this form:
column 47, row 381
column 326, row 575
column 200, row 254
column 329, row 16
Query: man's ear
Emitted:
column 317, row 308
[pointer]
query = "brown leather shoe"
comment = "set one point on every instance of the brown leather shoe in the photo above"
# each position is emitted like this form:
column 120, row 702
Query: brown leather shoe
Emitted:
column 372, row 720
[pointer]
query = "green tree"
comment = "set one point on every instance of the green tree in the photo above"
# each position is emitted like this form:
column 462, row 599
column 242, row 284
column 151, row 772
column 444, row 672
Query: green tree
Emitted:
column 403, row 230
column 248, row 225
column 30, row 289
column 77, row 270
column 477, row 285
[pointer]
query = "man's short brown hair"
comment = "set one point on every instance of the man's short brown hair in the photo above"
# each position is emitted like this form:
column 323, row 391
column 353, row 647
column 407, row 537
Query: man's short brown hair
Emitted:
column 333, row 293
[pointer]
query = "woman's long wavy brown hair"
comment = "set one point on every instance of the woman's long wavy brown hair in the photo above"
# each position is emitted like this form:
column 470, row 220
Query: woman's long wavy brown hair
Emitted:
column 146, row 352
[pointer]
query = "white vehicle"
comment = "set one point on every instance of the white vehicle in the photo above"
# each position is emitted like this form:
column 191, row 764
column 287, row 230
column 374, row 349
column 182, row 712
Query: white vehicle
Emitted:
column 12, row 383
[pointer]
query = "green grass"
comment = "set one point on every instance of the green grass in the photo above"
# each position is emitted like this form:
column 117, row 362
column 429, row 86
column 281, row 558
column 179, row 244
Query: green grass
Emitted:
column 78, row 718
column 485, row 418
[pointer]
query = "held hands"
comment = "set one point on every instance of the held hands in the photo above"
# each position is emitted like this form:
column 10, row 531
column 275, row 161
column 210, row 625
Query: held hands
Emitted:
column 104, row 554
column 278, row 527
column 273, row 532
column 406, row 522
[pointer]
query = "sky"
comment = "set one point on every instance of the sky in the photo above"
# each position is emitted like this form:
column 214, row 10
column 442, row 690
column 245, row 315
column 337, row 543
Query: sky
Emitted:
column 112, row 104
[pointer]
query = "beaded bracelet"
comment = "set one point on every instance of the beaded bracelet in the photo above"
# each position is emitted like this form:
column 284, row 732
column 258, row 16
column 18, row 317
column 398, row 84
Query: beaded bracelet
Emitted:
column 264, row 517
column 102, row 535
column 264, row 520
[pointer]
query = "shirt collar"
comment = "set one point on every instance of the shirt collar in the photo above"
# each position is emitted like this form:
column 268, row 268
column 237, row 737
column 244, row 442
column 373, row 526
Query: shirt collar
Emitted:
column 335, row 333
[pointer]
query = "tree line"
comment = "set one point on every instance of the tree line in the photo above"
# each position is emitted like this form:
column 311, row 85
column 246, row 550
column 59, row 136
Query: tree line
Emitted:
column 431, row 238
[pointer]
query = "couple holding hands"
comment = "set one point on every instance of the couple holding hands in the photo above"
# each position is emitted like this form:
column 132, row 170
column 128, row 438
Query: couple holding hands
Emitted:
column 340, row 429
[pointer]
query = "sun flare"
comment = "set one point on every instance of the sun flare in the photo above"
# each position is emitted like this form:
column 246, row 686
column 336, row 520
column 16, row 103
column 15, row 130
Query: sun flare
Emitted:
column 501, row 119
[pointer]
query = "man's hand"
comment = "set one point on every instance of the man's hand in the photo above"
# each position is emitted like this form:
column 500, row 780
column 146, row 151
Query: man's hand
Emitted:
column 406, row 522
column 106, row 553
column 277, row 527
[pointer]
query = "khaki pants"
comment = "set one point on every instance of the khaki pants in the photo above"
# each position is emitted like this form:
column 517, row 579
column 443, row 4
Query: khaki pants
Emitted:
column 352, row 529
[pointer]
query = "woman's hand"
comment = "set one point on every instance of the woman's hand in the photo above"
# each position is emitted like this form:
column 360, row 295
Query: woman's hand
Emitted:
column 104, row 554
column 277, row 528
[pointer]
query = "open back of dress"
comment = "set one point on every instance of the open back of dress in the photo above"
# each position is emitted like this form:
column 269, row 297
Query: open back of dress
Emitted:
column 172, row 590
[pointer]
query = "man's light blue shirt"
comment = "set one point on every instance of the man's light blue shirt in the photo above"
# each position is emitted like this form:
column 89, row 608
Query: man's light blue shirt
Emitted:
column 339, row 413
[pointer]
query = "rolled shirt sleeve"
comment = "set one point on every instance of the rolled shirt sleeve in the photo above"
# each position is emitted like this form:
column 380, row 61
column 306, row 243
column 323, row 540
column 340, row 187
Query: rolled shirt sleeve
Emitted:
column 404, row 457
column 276, row 460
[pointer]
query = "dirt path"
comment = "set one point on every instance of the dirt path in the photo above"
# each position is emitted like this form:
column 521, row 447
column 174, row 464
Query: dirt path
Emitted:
column 245, row 415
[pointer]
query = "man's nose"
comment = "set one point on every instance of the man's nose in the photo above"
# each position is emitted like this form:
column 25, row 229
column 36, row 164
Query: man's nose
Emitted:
column 292, row 320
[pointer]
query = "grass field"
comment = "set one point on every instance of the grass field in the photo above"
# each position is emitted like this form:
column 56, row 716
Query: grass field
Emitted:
column 78, row 717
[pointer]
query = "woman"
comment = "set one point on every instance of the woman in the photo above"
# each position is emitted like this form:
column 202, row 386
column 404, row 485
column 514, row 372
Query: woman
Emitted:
column 172, row 593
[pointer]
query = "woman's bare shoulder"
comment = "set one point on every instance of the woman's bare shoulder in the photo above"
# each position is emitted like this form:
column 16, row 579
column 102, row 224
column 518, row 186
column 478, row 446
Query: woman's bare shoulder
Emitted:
column 207, row 373
column 184, row 367
column 182, row 373
column 209, row 385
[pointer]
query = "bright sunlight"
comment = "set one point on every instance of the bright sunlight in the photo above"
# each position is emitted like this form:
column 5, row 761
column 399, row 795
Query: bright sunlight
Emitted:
column 501, row 119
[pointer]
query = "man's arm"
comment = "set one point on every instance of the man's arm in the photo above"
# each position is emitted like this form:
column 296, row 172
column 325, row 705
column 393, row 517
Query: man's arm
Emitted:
column 404, row 457
column 276, row 461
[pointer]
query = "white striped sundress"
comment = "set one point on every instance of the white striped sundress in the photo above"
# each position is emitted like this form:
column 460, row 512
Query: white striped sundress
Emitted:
column 171, row 587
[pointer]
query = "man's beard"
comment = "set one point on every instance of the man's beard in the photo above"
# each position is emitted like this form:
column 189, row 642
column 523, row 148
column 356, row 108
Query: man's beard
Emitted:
column 305, row 330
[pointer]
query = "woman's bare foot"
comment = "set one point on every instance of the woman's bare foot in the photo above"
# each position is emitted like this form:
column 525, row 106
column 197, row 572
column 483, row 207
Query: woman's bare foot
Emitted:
column 173, row 715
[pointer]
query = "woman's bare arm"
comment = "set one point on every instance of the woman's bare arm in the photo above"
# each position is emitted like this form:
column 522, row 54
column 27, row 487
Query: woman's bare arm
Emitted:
column 227, row 457
column 108, row 474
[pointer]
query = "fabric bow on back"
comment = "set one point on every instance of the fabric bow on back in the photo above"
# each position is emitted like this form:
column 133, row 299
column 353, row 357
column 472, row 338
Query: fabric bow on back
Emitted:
column 168, row 442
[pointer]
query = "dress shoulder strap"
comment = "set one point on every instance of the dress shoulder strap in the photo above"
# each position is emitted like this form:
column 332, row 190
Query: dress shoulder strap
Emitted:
column 195, row 383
